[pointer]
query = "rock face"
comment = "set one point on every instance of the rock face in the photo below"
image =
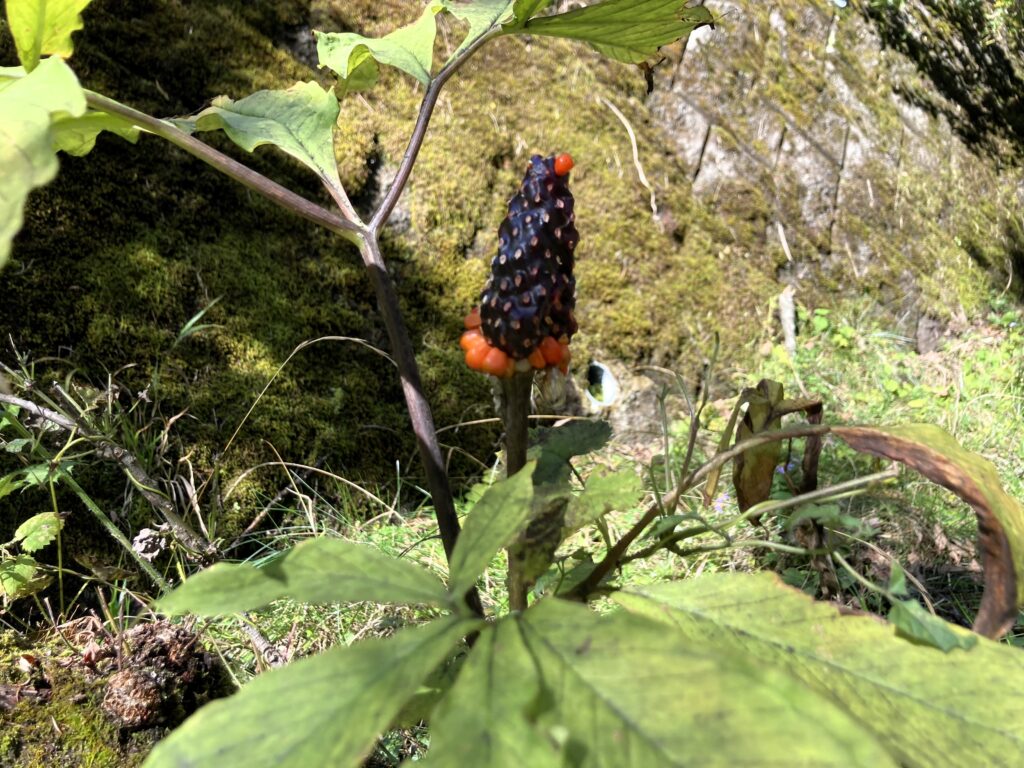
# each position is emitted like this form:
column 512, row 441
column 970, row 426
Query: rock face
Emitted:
column 832, row 150
column 870, row 178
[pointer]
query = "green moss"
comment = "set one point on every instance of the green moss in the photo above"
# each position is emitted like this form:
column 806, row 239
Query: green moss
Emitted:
column 69, row 729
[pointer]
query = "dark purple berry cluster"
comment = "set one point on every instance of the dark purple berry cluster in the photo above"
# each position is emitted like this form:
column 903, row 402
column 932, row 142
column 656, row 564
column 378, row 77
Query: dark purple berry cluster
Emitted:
column 532, row 292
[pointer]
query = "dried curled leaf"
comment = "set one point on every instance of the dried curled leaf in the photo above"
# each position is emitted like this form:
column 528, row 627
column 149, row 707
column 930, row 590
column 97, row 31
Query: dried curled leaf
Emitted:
column 938, row 456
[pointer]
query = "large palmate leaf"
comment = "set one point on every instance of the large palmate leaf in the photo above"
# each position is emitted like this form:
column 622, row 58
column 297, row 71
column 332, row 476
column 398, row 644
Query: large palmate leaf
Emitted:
column 938, row 456
column 633, row 694
column 484, row 721
column 299, row 121
column 626, row 30
column 354, row 58
column 491, row 525
column 317, row 571
column 481, row 15
column 962, row 708
column 27, row 159
column 42, row 27
column 323, row 711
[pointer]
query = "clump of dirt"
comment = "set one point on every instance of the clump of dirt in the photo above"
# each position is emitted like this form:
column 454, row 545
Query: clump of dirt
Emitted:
column 108, row 702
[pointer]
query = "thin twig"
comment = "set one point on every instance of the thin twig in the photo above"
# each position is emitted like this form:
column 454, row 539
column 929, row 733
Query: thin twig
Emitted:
column 668, row 500
column 383, row 212
column 636, row 151
column 105, row 448
column 515, row 408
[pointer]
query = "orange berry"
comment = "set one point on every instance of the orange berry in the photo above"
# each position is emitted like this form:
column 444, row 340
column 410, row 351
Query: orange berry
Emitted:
column 537, row 360
column 551, row 350
column 563, row 164
column 496, row 362
column 472, row 320
column 566, row 357
column 470, row 339
column 476, row 355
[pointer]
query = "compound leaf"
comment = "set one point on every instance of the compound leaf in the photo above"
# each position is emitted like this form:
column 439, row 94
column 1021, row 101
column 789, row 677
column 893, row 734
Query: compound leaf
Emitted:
column 322, row 711
column 317, row 571
column 484, row 721
column 354, row 58
column 927, row 707
column 27, row 106
column 632, row 693
column 299, row 121
column 491, row 525
column 631, row 31
column 41, row 27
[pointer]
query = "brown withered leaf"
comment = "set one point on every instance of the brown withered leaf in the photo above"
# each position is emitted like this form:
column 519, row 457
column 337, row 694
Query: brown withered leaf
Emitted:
column 938, row 456
column 752, row 470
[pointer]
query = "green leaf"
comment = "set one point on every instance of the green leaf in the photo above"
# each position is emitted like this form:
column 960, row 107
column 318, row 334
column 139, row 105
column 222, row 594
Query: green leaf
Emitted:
column 41, row 27
column 934, row 453
column 617, row 490
column 897, row 580
column 317, row 571
column 631, row 31
column 18, row 577
column 491, row 525
column 38, row 531
column 559, row 444
column 915, row 624
column 299, row 121
column 26, row 143
column 634, row 694
column 354, row 58
column 481, row 15
column 523, row 11
column 322, row 711
column 15, row 446
column 484, row 721
column 927, row 707
column 77, row 135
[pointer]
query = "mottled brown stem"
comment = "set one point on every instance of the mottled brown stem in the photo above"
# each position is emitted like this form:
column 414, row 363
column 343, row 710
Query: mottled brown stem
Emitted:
column 515, row 416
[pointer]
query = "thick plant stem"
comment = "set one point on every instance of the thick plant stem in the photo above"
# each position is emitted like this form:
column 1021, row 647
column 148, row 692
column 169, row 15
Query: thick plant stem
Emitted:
column 416, row 402
column 515, row 415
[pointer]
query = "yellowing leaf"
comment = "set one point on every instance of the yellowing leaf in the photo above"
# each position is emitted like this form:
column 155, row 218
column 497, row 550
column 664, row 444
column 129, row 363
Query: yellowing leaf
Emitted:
column 299, row 121
column 27, row 106
column 42, row 27
column 934, row 453
column 354, row 57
